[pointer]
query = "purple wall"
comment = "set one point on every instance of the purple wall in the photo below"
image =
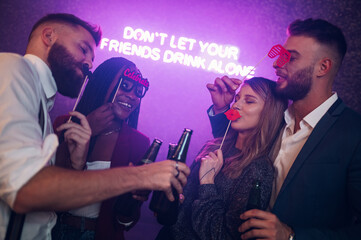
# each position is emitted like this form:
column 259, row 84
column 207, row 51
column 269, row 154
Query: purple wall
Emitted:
column 178, row 97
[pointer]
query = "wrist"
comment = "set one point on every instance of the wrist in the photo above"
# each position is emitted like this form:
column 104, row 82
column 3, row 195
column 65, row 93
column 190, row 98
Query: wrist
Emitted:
column 78, row 167
column 218, row 110
column 206, row 181
column 142, row 180
column 207, row 178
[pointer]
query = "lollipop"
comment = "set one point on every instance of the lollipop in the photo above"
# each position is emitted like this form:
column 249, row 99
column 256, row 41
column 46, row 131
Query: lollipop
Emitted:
column 232, row 115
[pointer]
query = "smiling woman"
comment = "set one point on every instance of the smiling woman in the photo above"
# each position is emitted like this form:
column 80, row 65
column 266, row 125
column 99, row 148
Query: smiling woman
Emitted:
column 111, row 102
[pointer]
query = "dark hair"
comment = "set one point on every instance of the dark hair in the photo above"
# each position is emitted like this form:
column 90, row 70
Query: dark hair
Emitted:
column 98, row 85
column 94, row 30
column 322, row 31
column 260, row 141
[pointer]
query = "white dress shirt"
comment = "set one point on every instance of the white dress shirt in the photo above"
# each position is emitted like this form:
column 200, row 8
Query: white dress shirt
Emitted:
column 26, row 83
column 292, row 143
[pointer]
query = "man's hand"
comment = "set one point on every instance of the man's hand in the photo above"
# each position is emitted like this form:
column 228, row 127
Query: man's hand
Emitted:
column 77, row 137
column 162, row 176
column 265, row 225
column 210, row 167
column 222, row 92
column 101, row 118
column 141, row 195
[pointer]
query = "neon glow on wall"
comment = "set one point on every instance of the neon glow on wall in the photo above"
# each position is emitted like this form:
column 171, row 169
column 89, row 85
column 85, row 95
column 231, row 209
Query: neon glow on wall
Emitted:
column 158, row 46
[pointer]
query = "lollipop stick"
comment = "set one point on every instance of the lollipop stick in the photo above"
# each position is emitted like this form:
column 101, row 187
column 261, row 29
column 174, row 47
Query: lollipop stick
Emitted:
column 79, row 95
column 120, row 82
column 225, row 134
column 254, row 67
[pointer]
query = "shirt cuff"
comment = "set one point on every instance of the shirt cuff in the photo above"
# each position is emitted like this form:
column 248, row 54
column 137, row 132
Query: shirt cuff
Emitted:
column 211, row 113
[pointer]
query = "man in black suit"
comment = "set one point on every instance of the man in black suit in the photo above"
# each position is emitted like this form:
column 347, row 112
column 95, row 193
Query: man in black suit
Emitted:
column 317, row 190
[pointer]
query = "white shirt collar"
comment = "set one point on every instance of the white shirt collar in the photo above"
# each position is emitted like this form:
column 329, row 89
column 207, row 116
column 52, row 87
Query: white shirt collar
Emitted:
column 46, row 78
column 313, row 117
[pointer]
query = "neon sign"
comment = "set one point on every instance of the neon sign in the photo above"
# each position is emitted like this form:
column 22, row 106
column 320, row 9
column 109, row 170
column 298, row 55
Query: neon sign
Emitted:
column 185, row 51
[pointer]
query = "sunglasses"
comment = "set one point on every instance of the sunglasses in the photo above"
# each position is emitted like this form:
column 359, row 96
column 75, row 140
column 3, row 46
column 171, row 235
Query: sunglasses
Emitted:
column 127, row 85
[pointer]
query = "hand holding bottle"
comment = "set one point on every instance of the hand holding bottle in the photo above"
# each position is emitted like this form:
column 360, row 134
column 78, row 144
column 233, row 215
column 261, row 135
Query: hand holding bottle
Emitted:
column 210, row 167
column 165, row 204
column 127, row 205
column 162, row 176
column 141, row 195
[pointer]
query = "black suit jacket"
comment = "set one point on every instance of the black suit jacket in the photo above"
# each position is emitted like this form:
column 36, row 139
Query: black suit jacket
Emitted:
column 321, row 195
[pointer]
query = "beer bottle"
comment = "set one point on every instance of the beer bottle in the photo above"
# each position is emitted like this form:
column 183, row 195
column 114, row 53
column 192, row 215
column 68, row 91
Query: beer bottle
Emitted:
column 165, row 210
column 254, row 198
column 126, row 206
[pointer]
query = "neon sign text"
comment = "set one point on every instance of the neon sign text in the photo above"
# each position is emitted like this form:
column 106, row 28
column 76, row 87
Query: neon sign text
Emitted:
column 158, row 46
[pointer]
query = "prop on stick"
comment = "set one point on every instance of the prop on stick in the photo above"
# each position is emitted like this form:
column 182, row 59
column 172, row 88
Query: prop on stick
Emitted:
column 115, row 94
column 276, row 50
column 232, row 115
column 87, row 73
column 284, row 57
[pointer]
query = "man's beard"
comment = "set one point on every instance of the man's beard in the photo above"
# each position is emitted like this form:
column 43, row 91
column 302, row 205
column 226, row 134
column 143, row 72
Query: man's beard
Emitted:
column 298, row 85
column 63, row 67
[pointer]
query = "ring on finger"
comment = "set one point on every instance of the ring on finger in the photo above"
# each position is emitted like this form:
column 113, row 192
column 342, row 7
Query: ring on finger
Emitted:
column 176, row 165
column 177, row 173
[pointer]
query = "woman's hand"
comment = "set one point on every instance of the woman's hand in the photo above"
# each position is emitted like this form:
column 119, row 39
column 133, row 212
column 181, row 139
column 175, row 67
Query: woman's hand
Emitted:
column 100, row 119
column 210, row 167
column 222, row 92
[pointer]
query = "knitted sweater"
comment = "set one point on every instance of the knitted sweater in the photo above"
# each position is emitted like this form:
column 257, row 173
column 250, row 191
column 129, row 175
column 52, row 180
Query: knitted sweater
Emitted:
column 212, row 211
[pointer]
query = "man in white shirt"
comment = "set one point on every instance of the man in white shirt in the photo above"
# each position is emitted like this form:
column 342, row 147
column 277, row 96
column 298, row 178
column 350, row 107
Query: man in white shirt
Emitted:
column 317, row 190
column 59, row 46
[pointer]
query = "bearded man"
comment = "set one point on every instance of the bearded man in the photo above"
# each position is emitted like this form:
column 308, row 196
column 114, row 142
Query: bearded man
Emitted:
column 60, row 47
column 317, row 189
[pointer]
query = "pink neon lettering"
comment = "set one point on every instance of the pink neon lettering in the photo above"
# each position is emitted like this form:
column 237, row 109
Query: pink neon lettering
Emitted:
column 136, row 77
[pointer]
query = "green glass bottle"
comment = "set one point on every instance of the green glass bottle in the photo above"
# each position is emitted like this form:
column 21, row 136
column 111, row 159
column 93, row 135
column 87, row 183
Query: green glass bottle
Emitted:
column 126, row 206
column 165, row 210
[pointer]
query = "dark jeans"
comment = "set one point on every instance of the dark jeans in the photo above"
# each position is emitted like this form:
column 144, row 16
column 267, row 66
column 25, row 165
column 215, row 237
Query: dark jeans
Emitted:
column 62, row 231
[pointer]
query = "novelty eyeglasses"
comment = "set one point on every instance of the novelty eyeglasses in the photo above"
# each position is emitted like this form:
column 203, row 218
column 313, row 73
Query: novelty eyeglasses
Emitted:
column 127, row 85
